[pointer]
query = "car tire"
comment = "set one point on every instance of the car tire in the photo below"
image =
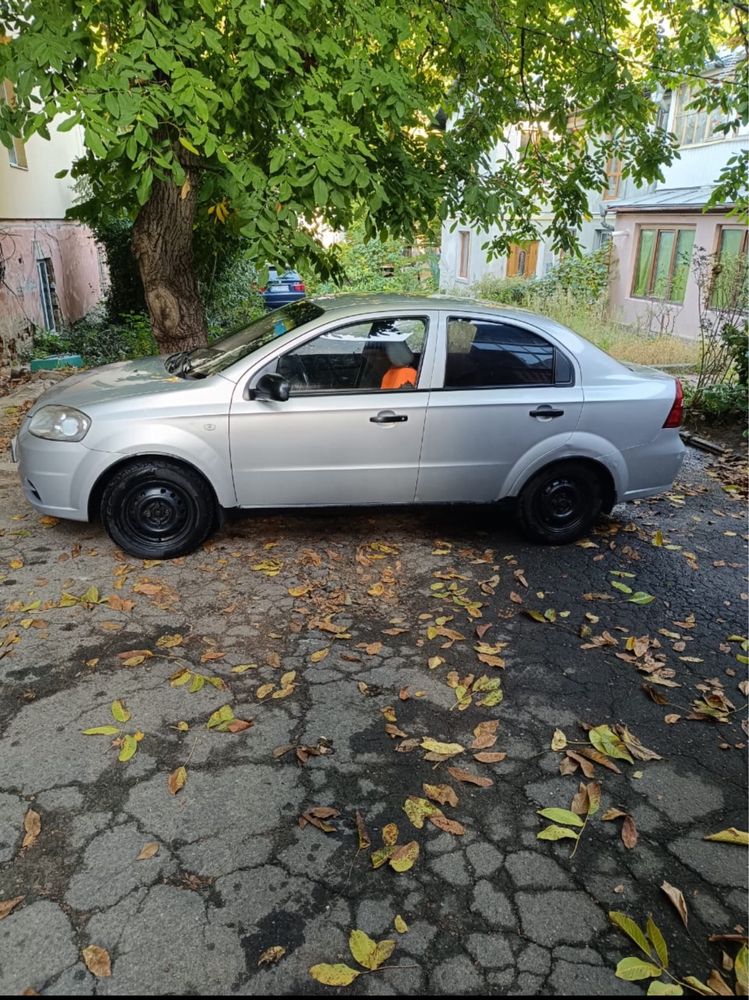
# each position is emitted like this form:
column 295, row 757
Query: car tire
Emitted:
column 158, row 509
column 560, row 503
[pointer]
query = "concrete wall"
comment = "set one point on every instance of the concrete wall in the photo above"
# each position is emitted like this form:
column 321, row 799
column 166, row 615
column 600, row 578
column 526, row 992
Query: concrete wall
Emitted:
column 652, row 315
column 34, row 192
column 78, row 274
column 33, row 203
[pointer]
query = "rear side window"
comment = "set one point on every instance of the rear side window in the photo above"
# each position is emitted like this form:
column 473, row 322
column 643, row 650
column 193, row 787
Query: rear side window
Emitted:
column 486, row 354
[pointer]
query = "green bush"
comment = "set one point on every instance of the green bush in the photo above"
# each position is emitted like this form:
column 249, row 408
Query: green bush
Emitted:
column 736, row 339
column 722, row 403
column 100, row 343
column 576, row 279
column 125, row 294
column 378, row 265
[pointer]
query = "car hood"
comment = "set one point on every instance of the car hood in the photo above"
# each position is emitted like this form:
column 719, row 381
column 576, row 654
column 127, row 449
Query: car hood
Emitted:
column 122, row 380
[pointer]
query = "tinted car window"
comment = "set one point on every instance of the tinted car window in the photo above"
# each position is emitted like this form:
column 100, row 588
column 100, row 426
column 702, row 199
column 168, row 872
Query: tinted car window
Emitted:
column 378, row 354
column 483, row 354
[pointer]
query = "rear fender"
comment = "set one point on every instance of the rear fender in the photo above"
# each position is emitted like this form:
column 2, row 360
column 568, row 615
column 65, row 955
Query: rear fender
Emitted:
column 564, row 448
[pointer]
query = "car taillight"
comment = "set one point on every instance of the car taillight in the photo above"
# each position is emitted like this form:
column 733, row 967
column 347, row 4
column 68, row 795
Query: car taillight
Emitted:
column 298, row 286
column 676, row 412
column 262, row 291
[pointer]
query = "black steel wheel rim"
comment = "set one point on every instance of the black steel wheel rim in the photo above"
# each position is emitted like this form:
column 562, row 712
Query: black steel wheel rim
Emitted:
column 157, row 512
column 560, row 503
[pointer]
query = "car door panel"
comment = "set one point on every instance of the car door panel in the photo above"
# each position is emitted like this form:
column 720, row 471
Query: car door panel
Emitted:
column 476, row 438
column 354, row 446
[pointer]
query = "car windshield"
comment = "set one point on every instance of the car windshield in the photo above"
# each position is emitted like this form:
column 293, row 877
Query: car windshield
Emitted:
column 219, row 355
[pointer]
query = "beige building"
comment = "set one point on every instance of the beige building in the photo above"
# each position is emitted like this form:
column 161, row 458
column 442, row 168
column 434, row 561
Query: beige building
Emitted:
column 51, row 272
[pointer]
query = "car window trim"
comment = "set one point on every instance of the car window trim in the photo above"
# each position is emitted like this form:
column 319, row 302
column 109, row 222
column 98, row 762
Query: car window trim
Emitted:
column 426, row 318
column 507, row 321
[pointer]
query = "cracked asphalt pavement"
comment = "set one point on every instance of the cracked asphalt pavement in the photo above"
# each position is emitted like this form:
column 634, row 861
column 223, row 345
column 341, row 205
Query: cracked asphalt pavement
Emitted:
column 494, row 910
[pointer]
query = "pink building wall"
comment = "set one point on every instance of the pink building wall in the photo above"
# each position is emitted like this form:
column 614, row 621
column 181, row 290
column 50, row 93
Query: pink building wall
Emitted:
column 78, row 278
column 653, row 315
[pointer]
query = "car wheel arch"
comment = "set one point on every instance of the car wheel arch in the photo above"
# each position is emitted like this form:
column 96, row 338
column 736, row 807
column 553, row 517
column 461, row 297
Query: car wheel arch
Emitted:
column 97, row 490
column 602, row 471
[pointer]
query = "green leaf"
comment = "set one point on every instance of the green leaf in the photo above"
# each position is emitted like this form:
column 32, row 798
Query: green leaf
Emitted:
column 605, row 740
column 556, row 833
column 418, row 809
column 632, row 969
column 741, row 969
column 658, row 940
column 640, row 597
column 129, row 746
column 120, row 712
column 631, row 929
column 101, row 731
column 561, row 816
column 660, row 989
column 730, row 836
column 699, row 987
column 188, row 145
column 621, row 586
column 221, row 718
column 334, row 975
column 367, row 952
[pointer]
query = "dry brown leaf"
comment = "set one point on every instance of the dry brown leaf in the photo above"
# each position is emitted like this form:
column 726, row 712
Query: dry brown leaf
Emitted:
column 394, row 732
column 487, row 757
column 32, row 824
column 717, row 983
column 629, row 832
column 580, row 801
column 407, row 746
column 677, row 898
column 149, row 850
column 316, row 816
column 585, row 765
column 176, row 780
column 97, row 961
column 444, row 794
column 448, row 825
column 485, row 735
column 8, row 905
column 474, row 779
column 273, row 954
column 404, row 694
column 364, row 839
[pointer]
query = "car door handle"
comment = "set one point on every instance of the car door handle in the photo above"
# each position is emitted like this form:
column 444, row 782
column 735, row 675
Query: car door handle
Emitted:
column 546, row 412
column 388, row 417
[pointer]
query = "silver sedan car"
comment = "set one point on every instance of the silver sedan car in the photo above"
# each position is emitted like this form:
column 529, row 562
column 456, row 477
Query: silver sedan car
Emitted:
column 347, row 400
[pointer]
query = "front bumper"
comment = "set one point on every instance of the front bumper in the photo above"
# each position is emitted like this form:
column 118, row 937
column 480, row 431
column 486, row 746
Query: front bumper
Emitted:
column 56, row 476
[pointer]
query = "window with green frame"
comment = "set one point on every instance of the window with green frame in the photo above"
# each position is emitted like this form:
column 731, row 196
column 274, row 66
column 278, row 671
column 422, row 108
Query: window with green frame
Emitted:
column 730, row 285
column 664, row 255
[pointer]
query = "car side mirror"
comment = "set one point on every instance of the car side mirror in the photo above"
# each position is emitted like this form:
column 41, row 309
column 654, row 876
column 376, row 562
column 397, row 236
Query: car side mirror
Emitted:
column 271, row 386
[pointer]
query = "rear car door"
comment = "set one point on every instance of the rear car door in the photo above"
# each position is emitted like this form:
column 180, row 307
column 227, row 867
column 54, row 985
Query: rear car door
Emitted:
column 504, row 396
column 340, row 438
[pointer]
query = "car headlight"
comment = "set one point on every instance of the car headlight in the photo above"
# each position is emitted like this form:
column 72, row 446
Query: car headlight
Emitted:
column 59, row 423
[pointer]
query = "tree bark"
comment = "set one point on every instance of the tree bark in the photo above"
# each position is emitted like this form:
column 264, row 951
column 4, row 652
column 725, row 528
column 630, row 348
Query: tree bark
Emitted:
column 162, row 244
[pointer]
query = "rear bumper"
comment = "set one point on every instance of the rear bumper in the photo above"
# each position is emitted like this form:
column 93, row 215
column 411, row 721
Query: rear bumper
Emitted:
column 652, row 467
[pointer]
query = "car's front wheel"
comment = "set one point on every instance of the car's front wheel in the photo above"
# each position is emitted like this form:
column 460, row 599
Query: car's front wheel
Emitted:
column 560, row 503
column 158, row 509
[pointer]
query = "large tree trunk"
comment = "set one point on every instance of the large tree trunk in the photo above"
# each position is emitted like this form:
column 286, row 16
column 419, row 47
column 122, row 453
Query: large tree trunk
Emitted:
column 162, row 244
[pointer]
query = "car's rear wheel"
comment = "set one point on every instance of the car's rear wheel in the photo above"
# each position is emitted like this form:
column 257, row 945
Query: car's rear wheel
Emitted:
column 560, row 503
column 158, row 509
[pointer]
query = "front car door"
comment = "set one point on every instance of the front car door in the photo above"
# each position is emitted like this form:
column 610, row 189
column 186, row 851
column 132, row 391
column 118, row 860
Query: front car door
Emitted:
column 504, row 397
column 340, row 438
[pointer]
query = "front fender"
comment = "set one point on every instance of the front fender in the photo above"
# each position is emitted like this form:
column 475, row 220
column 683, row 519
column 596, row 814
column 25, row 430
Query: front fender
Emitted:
column 207, row 452
column 565, row 447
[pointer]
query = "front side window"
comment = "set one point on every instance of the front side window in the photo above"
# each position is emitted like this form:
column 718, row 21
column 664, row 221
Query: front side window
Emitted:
column 487, row 354
column 365, row 356
column 664, row 255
